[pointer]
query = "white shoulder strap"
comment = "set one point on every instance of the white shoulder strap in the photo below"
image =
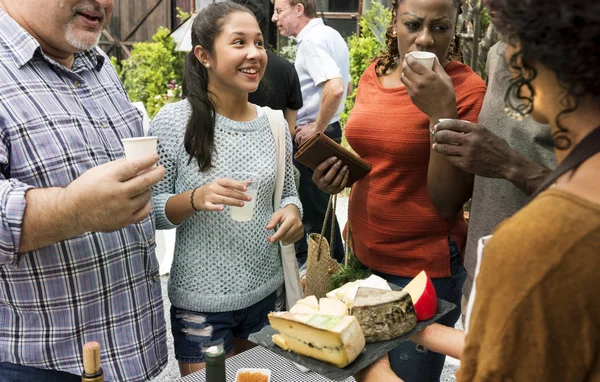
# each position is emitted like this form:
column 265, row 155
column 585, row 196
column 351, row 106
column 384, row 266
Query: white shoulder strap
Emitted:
column 277, row 123
column 293, row 286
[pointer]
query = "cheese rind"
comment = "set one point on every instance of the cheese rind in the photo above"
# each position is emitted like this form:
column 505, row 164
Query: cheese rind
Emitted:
column 423, row 295
column 337, row 340
column 383, row 315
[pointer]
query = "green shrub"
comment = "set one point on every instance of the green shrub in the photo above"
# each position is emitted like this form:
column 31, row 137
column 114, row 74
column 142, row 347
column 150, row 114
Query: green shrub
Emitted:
column 182, row 15
column 115, row 62
column 364, row 48
column 288, row 48
column 152, row 70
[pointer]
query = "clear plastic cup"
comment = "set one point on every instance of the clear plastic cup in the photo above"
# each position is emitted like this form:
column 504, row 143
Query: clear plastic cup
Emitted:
column 246, row 212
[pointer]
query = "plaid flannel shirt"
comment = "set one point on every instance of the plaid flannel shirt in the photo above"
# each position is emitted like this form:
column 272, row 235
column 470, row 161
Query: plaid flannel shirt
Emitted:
column 55, row 124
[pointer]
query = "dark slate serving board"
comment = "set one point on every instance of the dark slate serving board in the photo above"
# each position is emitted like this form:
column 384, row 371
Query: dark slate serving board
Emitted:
column 370, row 354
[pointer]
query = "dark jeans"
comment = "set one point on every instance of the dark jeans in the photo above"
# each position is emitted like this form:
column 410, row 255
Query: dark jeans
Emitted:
column 193, row 332
column 10, row 372
column 314, row 202
column 412, row 362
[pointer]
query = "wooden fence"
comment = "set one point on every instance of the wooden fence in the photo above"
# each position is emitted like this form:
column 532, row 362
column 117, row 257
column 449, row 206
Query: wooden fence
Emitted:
column 138, row 20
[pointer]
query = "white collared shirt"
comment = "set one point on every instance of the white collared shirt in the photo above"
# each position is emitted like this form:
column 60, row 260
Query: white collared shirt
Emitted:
column 322, row 55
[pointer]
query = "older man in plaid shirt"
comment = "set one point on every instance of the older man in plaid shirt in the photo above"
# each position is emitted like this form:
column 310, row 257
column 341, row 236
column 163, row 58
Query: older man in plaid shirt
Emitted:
column 77, row 244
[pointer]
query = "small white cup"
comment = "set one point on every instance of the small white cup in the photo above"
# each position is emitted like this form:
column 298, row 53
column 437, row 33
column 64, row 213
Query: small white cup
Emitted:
column 425, row 58
column 447, row 119
column 139, row 147
column 450, row 119
column 246, row 212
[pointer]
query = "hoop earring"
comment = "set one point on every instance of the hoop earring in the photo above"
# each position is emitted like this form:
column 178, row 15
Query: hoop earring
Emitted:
column 561, row 139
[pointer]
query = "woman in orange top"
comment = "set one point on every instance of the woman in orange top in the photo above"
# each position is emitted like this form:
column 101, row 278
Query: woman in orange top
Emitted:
column 534, row 309
column 398, row 227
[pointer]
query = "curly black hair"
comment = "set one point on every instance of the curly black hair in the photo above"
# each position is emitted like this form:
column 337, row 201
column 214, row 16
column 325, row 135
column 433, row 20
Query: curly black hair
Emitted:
column 564, row 36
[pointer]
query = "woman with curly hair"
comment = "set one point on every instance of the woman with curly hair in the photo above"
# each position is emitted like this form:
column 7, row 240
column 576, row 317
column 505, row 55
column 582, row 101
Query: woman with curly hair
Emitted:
column 536, row 309
column 398, row 228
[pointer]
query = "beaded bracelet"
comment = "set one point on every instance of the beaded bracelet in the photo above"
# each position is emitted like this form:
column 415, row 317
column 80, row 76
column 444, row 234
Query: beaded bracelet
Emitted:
column 192, row 199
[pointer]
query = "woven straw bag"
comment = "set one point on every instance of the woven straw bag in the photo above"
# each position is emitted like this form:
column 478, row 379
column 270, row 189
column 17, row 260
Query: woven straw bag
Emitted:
column 320, row 264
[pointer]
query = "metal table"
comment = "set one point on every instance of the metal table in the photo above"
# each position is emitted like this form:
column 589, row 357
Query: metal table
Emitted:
column 282, row 370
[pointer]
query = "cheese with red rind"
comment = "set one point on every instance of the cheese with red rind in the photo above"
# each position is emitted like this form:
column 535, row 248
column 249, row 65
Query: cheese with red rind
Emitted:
column 423, row 296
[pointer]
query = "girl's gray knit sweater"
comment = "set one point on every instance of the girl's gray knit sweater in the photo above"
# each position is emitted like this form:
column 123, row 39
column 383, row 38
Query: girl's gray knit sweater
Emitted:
column 220, row 264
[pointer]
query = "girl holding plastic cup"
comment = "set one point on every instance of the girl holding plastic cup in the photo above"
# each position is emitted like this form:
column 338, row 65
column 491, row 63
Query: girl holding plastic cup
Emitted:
column 225, row 272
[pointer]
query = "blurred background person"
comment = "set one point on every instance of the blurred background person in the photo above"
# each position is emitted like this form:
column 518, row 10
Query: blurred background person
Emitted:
column 323, row 66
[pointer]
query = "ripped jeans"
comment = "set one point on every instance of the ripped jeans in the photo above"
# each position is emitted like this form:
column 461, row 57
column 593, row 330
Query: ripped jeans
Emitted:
column 194, row 332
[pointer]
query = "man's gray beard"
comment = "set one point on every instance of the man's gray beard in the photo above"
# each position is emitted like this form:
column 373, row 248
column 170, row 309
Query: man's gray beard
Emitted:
column 76, row 42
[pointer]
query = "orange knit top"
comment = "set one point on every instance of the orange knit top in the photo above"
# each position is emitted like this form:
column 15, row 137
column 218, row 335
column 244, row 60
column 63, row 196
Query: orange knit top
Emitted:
column 395, row 227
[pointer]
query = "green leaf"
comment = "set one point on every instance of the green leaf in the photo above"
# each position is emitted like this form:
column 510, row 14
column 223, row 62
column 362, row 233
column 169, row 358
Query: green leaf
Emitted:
column 148, row 73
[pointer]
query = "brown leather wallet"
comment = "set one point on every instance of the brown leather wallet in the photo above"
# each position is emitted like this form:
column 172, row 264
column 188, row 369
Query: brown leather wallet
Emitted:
column 320, row 147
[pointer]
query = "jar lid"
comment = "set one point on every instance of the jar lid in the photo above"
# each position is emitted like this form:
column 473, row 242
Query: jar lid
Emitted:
column 214, row 351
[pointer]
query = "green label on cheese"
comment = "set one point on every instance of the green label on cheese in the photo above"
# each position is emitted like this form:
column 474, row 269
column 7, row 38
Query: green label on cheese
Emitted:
column 324, row 322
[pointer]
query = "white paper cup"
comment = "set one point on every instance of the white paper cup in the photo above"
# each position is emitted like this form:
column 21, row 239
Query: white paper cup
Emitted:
column 450, row 119
column 245, row 213
column 425, row 58
column 139, row 147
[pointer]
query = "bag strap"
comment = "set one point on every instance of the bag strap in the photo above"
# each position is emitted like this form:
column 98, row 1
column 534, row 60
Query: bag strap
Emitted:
column 277, row 124
column 349, row 243
column 588, row 147
column 332, row 200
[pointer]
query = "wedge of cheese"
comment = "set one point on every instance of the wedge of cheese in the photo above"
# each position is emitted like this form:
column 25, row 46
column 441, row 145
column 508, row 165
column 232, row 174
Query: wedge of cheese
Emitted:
column 383, row 314
column 375, row 281
column 337, row 340
column 332, row 307
column 280, row 341
column 310, row 301
column 347, row 292
column 303, row 309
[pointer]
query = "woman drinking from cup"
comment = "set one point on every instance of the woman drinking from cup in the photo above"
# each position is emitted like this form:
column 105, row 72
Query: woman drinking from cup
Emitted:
column 397, row 227
column 536, row 309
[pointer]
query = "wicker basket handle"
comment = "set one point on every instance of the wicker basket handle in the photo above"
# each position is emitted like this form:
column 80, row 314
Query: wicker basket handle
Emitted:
column 332, row 200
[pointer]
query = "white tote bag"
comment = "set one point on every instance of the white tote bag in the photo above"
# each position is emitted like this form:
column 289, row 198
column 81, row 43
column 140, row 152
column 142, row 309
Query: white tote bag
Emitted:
column 293, row 287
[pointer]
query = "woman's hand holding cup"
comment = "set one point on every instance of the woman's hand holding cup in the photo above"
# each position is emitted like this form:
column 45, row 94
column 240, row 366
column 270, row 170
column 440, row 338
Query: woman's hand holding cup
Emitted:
column 215, row 195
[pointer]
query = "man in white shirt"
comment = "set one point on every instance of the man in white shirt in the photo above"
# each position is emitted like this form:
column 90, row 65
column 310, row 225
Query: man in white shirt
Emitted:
column 323, row 66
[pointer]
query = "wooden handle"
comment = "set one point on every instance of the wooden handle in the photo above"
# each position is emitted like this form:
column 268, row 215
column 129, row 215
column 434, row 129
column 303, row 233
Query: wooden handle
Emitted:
column 91, row 357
